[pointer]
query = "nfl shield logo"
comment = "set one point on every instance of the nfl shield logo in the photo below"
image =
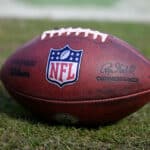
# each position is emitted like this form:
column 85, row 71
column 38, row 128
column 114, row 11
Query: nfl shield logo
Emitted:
column 63, row 66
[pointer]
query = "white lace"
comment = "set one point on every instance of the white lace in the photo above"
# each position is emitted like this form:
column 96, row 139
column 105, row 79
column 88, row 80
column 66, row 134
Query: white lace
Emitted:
column 77, row 31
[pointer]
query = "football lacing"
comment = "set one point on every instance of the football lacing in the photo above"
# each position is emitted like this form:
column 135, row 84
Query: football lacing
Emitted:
column 77, row 32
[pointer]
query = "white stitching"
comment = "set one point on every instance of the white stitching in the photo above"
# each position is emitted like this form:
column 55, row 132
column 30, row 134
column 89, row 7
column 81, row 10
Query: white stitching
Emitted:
column 77, row 32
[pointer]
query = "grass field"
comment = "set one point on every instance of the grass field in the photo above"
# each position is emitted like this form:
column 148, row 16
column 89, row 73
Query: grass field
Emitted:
column 19, row 130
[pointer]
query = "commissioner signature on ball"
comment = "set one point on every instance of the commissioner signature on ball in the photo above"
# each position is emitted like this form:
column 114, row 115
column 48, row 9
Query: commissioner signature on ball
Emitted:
column 111, row 68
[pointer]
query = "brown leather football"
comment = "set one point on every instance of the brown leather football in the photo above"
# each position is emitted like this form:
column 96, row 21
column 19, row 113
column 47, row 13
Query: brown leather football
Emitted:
column 78, row 76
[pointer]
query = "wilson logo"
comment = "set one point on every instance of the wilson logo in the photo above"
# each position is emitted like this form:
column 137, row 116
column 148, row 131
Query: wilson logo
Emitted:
column 63, row 66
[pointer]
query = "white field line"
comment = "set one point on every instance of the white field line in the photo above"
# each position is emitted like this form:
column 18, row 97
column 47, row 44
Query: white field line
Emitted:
column 124, row 10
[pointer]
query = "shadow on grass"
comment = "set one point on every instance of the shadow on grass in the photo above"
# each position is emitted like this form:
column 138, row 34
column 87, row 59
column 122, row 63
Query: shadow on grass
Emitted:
column 11, row 108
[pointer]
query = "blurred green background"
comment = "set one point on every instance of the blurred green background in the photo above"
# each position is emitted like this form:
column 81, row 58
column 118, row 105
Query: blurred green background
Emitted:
column 72, row 2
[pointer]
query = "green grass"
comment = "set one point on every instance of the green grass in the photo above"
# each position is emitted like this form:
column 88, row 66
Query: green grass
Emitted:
column 19, row 130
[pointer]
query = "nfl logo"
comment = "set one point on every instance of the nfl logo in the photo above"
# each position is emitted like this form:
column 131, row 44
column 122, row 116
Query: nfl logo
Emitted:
column 63, row 66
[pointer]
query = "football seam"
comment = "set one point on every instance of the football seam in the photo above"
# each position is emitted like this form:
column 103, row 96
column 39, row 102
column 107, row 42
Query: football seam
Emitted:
column 84, row 100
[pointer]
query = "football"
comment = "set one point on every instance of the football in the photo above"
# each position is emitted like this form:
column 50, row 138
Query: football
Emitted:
column 78, row 76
